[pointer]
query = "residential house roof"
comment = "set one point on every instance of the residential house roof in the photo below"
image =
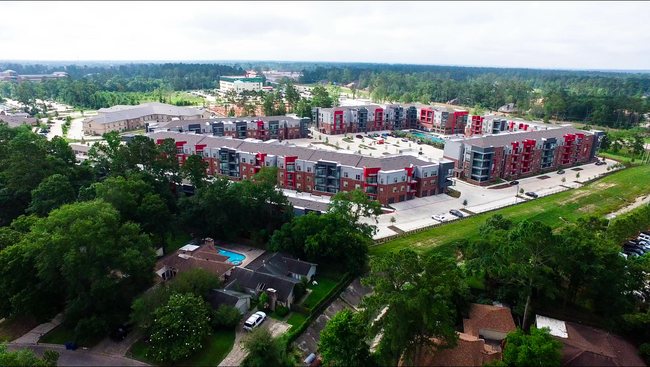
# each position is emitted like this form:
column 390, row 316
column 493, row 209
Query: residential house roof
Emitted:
column 252, row 279
column 220, row 297
column 206, row 257
column 586, row 346
column 308, row 204
column 283, row 266
column 470, row 351
column 486, row 317
column 14, row 121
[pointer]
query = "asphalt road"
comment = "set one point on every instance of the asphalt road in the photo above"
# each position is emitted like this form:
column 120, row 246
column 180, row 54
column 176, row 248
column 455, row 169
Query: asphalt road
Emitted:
column 79, row 357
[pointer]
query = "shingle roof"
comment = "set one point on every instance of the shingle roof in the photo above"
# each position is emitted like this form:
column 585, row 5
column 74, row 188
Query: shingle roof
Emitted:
column 308, row 204
column 281, row 266
column 14, row 121
column 253, row 279
column 122, row 112
column 206, row 257
column 503, row 139
column 587, row 346
column 470, row 351
column 220, row 297
column 489, row 318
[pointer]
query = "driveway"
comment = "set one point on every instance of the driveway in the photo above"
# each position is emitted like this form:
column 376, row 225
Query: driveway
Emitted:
column 237, row 354
column 79, row 357
column 108, row 346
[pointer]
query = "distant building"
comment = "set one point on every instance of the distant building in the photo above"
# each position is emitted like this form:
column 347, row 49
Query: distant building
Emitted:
column 12, row 76
column 508, row 108
column 15, row 121
column 240, row 83
column 122, row 118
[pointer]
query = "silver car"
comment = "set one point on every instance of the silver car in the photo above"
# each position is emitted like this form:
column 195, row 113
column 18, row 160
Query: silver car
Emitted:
column 254, row 320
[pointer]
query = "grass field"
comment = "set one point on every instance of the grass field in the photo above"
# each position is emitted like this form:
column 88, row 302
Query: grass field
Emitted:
column 16, row 327
column 176, row 97
column 62, row 335
column 216, row 348
column 320, row 291
column 622, row 156
column 296, row 319
column 599, row 198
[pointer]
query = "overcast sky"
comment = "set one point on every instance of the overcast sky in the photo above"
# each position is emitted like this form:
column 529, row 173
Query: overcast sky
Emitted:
column 580, row 35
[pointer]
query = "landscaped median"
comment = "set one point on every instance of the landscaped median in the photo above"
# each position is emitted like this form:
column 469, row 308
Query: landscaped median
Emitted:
column 600, row 198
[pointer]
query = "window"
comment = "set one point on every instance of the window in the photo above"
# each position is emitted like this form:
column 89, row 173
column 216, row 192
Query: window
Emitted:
column 308, row 169
column 424, row 183
column 267, row 164
column 381, row 191
column 357, row 186
column 244, row 177
column 308, row 178
column 281, row 174
column 298, row 186
column 299, row 168
column 433, row 182
column 382, row 181
column 345, row 184
column 252, row 170
column 345, row 174
column 299, row 177
column 403, row 178
column 426, row 174
column 394, row 189
column 281, row 165
column 402, row 189
column 308, row 187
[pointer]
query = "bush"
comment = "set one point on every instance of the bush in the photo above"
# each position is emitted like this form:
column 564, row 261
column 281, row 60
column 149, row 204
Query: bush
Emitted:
column 300, row 288
column 644, row 352
column 281, row 311
column 226, row 317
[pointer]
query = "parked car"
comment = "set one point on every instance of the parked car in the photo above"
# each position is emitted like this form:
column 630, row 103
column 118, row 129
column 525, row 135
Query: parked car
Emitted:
column 644, row 236
column 254, row 320
column 456, row 213
column 121, row 332
column 560, row 172
column 405, row 140
column 635, row 250
column 600, row 163
column 532, row 195
column 419, row 142
column 420, row 153
column 384, row 135
column 514, row 183
column 359, row 137
column 439, row 218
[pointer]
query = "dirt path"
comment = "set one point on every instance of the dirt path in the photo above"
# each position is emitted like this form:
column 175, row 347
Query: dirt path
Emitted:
column 641, row 200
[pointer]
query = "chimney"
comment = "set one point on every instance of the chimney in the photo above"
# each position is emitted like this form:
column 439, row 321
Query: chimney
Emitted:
column 273, row 297
column 209, row 241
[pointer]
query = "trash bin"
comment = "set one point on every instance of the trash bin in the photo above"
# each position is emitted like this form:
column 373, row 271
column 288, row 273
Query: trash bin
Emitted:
column 73, row 346
column 68, row 345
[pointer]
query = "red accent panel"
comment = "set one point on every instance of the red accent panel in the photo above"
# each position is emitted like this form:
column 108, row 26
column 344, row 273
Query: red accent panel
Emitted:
column 338, row 113
column 292, row 161
column 199, row 148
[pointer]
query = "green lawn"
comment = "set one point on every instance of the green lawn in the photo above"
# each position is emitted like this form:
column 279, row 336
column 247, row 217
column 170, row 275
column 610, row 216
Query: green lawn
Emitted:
column 320, row 291
column 620, row 156
column 599, row 198
column 296, row 319
column 62, row 335
column 15, row 327
column 216, row 348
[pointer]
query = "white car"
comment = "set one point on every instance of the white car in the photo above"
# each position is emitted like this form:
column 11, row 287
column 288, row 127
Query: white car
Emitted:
column 254, row 320
column 439, row 218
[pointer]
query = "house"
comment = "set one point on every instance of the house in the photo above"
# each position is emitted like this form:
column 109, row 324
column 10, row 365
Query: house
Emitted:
column 238, row 300
column 206, row 257
column 284, row 266
column 479, row 343
column 278, row 288
column 16, row 120
column 586, row 346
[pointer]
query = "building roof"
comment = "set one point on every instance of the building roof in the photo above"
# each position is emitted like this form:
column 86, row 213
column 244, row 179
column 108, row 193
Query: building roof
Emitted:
column 308, row 204
column 220, row 297
column 283, row 266
column 206, row 257
column 586, row 346
column 503, row 139
column 185, row 123
column 486, row 317
column 470, row 351
column 14, row 121
column 123, row 112
column 252, row 279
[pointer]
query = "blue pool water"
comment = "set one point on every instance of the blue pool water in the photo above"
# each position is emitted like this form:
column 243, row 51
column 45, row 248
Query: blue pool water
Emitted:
column 430, row 137
column 233, row 257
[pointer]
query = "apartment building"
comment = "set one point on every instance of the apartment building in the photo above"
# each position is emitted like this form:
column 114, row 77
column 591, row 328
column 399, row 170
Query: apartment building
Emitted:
column 511, row 155
column 349, row 119
column 493, row 124
column 261, row 128
column 441, row 120
column 240, row 83
column 122, row 117
column 388, row 179
column 12, row 76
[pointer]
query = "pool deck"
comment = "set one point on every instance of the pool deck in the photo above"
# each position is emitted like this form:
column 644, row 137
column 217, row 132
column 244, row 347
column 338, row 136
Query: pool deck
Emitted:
column 250, row 252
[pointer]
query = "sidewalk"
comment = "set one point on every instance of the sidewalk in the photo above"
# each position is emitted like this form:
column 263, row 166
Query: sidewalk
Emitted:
column 36, row 333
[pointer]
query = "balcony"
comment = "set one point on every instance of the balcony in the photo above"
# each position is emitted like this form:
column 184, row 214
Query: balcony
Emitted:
column 371, row 181
column 320, row 172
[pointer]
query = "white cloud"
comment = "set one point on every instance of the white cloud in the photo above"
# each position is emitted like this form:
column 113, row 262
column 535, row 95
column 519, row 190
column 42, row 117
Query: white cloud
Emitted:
column 585, row 35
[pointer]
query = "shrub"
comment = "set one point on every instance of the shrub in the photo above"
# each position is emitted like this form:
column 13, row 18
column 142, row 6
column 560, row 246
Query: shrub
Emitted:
column 301, row 288
column 226, row 317
column 281, row 311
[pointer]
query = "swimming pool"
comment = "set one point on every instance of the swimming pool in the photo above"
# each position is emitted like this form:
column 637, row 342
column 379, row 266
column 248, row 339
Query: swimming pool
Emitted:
column 430, row 137
column 233, row 257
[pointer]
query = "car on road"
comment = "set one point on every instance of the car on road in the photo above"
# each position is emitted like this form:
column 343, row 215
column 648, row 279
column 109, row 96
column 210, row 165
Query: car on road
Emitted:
column 439, row 218
column 531, row 194
column 359, row 137
column 456, row 213
column 121, row 332
column 560, row 172
column 600, row 163
column 254, row 320
column 514, row 183
column 405, row 140
column 420, row 153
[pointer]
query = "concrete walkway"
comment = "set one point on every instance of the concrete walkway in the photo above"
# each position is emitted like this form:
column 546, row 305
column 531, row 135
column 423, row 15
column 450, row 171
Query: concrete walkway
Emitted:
column 79, row 357
column 36, row 333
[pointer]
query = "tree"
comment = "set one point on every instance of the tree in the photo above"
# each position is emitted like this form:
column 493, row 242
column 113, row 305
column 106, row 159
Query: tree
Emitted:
column 226, row 317
column 179, row 328
column 53, row 192
column 26, row 357
column 343, row 342
column 194, row 170
column 415, row 298
column 231, row 113
column 537, row 349
column 196, row 281
column 82, row 257
column 465, row 202
column 264, row 298
column 263, row 350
